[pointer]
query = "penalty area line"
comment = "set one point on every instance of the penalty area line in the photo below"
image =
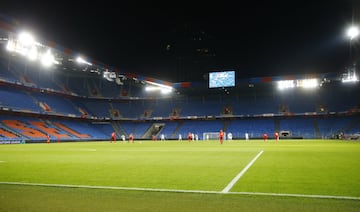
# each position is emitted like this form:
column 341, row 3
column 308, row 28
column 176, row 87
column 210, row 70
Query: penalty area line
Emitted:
column 313, row 196
column 237, row 177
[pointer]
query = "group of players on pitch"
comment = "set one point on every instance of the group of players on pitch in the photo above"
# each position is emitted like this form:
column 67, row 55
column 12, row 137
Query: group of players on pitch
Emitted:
column 190, row 137
column 123, row 138
column 265, row 136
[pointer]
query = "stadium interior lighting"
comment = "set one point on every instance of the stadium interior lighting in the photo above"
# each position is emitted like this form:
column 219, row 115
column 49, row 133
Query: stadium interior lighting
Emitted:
column 10, row 46
column 47, row 59
column 349, row 77
column 353, row 32
column 305, row 83
column 33, row 53
column 152, row 88
column 26, row 39
column 82, row 61
column 308, row 83
column 25, row 44
column 164, row 89
column 286, row 84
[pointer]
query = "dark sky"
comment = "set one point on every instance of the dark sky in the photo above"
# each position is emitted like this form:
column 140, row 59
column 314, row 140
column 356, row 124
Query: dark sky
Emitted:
column 179, row 41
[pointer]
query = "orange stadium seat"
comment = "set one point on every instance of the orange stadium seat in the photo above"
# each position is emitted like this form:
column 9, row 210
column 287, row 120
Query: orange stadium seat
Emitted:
column 7, row 134
column 51, row 131
column 24, row 129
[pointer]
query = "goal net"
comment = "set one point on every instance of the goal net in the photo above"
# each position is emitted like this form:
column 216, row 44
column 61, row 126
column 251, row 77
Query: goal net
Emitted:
column 211, row 135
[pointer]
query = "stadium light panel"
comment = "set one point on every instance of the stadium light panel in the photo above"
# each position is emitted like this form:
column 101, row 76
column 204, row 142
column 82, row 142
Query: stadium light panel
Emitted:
column 26, row 39
column 10, row 46
column 33, row 53
column 305, row 83
column 82, row 61
column 286, row 84
column 353, row 32
column 47, row 59
column 159, row 85
column 163, row 90
column 308, row 83
column 349, row 78
column 151, row 88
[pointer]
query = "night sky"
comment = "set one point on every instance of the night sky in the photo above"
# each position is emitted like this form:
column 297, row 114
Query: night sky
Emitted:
column 179, row 41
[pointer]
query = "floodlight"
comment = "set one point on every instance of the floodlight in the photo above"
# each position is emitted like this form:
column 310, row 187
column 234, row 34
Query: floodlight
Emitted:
column 26, row 39
column 82, row 61
column 353, row 32
column 286, row 84
column 309, row 83
column 159, row 85
column 349, row 77
column 47, row 59
column 165, row 91
column 10, row 46
column 151, row 88
column 33, row 53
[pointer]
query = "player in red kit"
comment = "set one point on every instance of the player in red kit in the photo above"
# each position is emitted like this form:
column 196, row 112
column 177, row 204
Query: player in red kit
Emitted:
column 131, row 138
column 276, row 135
column 47, row 139
column 265, row 136
column 189, row 137
column 221, row 136
column 113, row 137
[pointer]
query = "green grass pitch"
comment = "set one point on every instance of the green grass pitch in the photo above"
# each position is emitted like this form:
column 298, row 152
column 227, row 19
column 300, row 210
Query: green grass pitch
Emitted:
column 291, row 175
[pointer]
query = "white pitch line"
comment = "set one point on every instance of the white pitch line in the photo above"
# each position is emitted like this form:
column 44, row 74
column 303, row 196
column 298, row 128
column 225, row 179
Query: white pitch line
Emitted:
column 232, row 183
column 110, row 187
column 314, row 196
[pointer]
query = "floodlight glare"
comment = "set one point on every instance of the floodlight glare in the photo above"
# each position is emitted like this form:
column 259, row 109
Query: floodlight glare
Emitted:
column 151, row 88
column 26, row 39
column 285, row 84
column 10, row 46
column 33, row 53
column 165, row 91
column 353, row 32
column 309, row 83
column 349, row 78
column 159, row 85
column 82, row 61
column 47, row 59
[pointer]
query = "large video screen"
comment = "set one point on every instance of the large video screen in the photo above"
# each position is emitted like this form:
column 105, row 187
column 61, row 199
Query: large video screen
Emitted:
column 221, row 79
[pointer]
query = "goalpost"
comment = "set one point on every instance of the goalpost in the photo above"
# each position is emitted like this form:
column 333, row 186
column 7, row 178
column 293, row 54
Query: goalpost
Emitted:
column 212, row 136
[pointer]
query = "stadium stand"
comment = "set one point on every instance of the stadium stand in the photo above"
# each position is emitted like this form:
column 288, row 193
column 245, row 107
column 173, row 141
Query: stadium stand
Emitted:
column 80, row 105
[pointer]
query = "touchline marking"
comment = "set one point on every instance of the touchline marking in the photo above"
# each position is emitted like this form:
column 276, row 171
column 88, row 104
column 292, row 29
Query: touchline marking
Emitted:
column 232, row 183
column 297, row 195
column 184, row 191
column 110, row 187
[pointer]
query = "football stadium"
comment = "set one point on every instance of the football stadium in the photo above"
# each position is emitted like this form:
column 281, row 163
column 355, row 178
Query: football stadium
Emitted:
column 80, row 135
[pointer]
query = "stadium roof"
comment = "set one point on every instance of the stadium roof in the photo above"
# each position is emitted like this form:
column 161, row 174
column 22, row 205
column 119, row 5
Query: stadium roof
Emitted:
column 184, row 43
